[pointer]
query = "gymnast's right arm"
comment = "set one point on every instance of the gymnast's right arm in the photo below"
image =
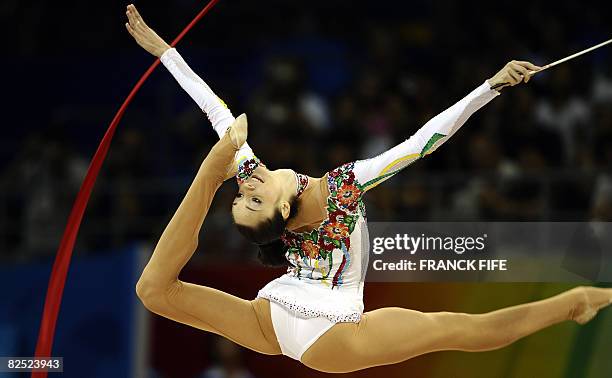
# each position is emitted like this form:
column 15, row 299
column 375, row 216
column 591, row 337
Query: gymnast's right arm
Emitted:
column 373, row 171
column 159, row 287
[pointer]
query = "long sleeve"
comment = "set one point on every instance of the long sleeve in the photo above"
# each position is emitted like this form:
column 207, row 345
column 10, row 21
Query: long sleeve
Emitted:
column 373, row 171
column 216, row 110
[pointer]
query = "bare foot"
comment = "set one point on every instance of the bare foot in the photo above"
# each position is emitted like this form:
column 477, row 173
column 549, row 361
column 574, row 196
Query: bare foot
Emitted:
column 589, row 300
column 238, row 131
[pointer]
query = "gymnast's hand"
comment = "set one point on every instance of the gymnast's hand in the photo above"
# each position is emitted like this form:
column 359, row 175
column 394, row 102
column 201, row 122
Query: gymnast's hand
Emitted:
column 144, row 35
column 512, row 74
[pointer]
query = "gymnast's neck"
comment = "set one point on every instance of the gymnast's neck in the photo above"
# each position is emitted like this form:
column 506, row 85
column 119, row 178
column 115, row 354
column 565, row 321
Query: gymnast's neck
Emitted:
column 312, row 206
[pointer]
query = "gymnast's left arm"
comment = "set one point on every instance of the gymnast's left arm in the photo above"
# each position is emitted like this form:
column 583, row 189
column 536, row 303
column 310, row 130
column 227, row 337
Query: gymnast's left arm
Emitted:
column 215, row 109
column 373, row 171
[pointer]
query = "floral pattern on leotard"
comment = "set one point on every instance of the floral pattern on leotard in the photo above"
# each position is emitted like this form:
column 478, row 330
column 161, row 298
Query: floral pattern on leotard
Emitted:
column 302, row 183
column 311, row 253
column 246, row 168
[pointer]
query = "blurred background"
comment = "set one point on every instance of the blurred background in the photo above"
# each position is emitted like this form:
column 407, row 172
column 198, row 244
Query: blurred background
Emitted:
column 323, row 83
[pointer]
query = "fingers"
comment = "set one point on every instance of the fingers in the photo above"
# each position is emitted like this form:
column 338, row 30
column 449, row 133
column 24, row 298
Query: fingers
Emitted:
column 130, row 24
column 144, row 36
column 133, row 26
column 521, row 70
column 129, row 29
column 514, row 76
column 528, row 65
column 513, row 73
column 131, row 17
column 134, row 19
column 134, row 16
column 138, row 17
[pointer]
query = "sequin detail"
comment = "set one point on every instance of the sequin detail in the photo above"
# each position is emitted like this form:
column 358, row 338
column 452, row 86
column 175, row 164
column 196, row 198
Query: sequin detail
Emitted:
column 302, row 183
column 246, row 168
column 309, row 311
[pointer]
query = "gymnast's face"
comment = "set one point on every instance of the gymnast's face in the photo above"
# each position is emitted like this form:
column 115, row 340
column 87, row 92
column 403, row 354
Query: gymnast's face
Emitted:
column 257, row 198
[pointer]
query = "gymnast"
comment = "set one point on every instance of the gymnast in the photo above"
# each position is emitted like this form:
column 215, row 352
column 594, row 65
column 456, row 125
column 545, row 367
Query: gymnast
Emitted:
column 317, row 227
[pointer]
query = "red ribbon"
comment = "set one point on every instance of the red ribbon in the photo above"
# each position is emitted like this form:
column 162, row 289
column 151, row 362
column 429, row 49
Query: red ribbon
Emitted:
column 64, row 252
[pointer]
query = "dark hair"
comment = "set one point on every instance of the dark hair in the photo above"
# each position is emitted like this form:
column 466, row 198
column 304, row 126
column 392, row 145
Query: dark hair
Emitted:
column 266, row 236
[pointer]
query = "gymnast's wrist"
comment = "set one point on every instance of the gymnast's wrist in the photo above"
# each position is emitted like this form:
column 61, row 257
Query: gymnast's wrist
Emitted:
column 492, row 83
column 163, row 50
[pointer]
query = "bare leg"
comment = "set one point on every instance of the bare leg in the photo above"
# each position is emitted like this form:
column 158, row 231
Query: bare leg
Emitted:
column 247, row 323
column 392, row 335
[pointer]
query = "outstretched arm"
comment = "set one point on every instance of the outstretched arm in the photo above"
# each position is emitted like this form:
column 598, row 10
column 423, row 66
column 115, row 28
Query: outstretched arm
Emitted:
column 427, row 139
column 216, row 110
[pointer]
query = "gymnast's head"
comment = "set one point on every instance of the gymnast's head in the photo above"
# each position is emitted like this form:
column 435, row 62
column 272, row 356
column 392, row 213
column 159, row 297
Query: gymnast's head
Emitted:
column 261, row 209
column 264, row 204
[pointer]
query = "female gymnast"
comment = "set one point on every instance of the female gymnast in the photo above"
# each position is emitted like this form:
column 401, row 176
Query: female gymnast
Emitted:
column 317, row 306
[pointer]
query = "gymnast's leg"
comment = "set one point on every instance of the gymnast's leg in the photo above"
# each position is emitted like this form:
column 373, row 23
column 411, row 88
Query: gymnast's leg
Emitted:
column 391, row 335
column 247, row 323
